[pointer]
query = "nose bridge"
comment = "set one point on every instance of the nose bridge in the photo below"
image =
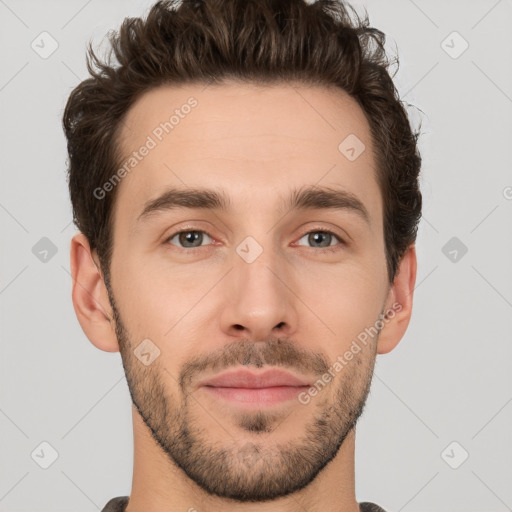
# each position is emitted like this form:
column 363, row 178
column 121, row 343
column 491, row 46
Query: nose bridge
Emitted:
column 255, row 267
column 261, row 301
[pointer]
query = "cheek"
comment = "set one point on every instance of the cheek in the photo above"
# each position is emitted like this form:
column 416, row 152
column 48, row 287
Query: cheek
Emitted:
column 346, row 299
column 158, row 299
column 155, row 297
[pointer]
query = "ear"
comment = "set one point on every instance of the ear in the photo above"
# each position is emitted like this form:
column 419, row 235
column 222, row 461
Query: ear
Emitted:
column 399, row 303
column 90, row 297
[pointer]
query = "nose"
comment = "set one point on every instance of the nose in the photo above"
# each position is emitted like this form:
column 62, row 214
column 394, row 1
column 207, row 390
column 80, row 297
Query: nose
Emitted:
column 259, row 300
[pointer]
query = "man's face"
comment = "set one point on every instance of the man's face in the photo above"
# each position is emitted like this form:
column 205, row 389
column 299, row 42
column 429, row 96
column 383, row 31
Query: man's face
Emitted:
column 257, row 284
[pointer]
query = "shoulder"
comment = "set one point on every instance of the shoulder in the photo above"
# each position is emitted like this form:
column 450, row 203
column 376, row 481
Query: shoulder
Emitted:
column 119, row 505
column 370, row 507
column 116, row 504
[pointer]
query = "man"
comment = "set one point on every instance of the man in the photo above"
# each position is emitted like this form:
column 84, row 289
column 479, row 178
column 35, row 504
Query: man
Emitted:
column 245, row 183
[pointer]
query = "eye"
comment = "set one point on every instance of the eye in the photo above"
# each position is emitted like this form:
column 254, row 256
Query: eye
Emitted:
column 322, row 239
column 188, row 239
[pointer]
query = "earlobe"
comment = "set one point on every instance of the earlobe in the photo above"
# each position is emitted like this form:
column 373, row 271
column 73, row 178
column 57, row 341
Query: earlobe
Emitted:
column 399, row 303
column 90, row 297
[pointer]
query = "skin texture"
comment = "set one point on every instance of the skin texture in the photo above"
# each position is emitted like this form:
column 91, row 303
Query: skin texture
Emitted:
column 297, row 306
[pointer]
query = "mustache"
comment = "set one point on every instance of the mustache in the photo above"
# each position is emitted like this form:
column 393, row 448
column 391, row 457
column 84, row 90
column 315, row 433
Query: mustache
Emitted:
column 274, row 352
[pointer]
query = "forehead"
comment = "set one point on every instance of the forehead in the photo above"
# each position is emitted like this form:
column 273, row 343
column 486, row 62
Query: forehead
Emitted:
column 255, row 142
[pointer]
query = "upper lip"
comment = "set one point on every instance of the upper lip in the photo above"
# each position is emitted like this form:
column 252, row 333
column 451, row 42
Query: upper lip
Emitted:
column 247, row 379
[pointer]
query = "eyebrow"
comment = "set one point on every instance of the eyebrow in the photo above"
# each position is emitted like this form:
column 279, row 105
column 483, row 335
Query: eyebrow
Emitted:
column 310, row 197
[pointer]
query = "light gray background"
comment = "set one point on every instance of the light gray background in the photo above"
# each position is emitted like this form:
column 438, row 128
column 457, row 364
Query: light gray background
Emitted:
column 450, row 378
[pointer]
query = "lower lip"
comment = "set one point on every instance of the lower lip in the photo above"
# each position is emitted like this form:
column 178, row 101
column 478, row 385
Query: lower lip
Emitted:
column 257, row 396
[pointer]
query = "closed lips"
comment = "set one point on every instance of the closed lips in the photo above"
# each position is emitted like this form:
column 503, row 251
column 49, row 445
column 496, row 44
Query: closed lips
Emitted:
column 248, row 379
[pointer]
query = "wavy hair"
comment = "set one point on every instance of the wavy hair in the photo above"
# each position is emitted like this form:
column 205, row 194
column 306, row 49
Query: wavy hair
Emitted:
column 324, row 43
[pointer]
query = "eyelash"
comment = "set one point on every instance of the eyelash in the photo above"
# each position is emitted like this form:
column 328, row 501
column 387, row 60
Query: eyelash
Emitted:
column 323, row 230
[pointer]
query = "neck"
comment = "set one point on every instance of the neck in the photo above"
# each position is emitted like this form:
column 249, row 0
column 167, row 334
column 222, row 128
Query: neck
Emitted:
column 160, row 486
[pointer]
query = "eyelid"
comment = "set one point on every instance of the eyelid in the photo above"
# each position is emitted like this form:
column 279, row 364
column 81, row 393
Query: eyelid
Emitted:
column 325, row 230
column 318, row 229
column 167, row 239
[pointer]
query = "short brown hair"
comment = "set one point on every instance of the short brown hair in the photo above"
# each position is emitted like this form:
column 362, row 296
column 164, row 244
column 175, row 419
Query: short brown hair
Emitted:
column 323, row 43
